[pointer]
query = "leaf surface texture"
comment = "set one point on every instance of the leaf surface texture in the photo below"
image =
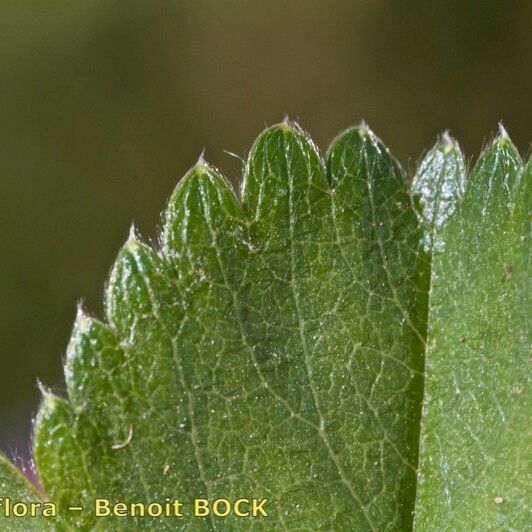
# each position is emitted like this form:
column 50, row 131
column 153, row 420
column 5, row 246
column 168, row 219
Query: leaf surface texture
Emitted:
column 275, row 346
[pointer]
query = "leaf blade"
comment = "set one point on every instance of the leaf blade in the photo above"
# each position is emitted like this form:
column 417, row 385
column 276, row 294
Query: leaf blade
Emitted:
column 474, row 462
column 235, row 329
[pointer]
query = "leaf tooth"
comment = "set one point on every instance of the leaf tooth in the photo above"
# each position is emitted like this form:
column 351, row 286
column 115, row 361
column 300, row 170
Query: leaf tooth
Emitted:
column 284, row 179
column 503, row 134
column 494, row 178
column 357, row 153
column 438, row 185
column 54, row 414
column 92, row 359
column 139, row 282
column 82, row 326
column 202, row 208
column 83, row 320
column 368, row 183
column 56, row 453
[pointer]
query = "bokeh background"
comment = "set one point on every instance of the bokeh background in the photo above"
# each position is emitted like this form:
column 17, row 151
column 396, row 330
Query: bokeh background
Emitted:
column 105, row 104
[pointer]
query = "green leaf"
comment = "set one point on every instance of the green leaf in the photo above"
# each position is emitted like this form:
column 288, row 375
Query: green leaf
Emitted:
column 274, row 348
column 17, row 488
column 475, row 445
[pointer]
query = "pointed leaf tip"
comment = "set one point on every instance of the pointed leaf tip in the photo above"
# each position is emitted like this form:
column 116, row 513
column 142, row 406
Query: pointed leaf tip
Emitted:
column 132, row 239
column 287, row 126
column 363, row 128
column 448, row 142
column 502, row 138
column 365, row 132
column 44, row 390
column 80, row 311
column 201, row 158
column 201, row 167
column 493, row 180
column 503, row 134
column 82, row 321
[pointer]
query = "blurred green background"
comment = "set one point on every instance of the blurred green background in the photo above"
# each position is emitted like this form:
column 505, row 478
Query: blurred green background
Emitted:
column 105, row 104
